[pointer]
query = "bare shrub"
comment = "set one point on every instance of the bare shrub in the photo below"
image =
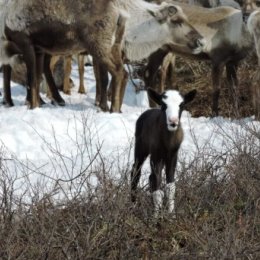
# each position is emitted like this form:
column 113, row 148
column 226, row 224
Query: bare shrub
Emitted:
column 217, row 203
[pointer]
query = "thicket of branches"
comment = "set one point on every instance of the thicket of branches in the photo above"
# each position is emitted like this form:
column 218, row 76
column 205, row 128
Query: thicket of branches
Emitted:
column 217, row 210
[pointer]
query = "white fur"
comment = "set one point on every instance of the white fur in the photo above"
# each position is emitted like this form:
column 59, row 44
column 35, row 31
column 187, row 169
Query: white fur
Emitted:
column 252, row 21
column 173, row 100
column 4, row 58
column 148, row 36
column 170, row 195
column 142, row 30
column 143, row 34
column 157, row 201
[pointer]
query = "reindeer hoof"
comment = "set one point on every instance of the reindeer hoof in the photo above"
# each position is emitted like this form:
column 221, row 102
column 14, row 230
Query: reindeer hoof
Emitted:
column 67, row 92
column 8, row 104
column 60, row 102
column 104, row 108
column 42, row 102
column 82, row 92
column 112, row 110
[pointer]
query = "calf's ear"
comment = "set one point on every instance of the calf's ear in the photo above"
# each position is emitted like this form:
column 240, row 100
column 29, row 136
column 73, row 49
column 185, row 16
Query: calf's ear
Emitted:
column 190, row 96
column 156, row 97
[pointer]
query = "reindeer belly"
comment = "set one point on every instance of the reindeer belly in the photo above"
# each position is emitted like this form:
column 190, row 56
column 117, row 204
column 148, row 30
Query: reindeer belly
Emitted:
column 55, row 38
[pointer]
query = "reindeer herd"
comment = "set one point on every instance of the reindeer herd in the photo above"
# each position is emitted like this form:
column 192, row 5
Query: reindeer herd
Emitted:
column 117, row 31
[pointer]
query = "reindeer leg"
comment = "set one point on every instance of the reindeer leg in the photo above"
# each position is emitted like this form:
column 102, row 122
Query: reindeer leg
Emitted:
column 123, row 86
column 101, row 75
column 67, row 72
column 164, row 71
column 256, row 97
column 39, row 71
column 256, row 78
column 32, row 97
column 140, row 156
column 171, row 78
column 7, row 100
column 217, row 70
column 81, row 73
column 118, row 76
column 117, row 72
column 170, row 186
column 103, row 81
column 231, row 71
column 116, row 68
column 54, row 93
column 98, row 85
column 117, row 53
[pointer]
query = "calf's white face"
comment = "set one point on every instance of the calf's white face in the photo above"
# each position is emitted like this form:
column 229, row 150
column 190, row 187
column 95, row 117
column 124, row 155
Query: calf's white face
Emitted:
column 171, row 103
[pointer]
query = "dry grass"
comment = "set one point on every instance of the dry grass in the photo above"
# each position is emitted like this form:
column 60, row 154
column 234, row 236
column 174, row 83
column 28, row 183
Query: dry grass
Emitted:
column 198, row 75
column 190, row 74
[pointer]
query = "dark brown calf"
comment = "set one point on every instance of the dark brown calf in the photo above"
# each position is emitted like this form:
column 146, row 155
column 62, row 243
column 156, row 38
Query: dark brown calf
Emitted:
column 159, row 134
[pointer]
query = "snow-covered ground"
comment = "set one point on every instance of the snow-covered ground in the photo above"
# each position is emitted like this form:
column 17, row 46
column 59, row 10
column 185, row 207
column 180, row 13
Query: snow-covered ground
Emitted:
column 40, row 146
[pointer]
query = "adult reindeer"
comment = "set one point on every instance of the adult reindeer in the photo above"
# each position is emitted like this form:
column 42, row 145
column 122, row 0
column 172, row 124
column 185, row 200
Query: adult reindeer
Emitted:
column 228, row 41
column 67, row 26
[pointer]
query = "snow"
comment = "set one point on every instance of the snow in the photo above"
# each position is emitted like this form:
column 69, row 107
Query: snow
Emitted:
column 47, row 144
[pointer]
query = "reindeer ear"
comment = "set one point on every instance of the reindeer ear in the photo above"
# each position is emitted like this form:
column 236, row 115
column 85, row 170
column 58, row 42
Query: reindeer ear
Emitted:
column 160, row 15
column 164, row 12
column 156, row 97
column 172, row 10
column 152, row 13
column 190, row 96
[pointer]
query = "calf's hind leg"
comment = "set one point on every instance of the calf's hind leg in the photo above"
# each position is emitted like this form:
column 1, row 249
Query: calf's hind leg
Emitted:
column 140, row 157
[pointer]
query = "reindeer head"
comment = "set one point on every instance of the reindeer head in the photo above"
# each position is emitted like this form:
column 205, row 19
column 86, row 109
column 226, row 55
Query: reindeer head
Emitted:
column 173, row 103
column 181, row 31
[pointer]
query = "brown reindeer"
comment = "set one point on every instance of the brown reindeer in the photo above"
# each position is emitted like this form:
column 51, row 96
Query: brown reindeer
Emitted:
column 66, row 27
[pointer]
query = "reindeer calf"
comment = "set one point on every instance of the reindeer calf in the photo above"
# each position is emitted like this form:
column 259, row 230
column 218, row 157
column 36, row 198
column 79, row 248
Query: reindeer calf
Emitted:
column 159, row 134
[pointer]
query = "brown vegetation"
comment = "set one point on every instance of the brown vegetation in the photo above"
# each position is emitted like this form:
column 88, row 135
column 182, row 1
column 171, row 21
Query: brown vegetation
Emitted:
column 217, row 213
column 190, row 74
